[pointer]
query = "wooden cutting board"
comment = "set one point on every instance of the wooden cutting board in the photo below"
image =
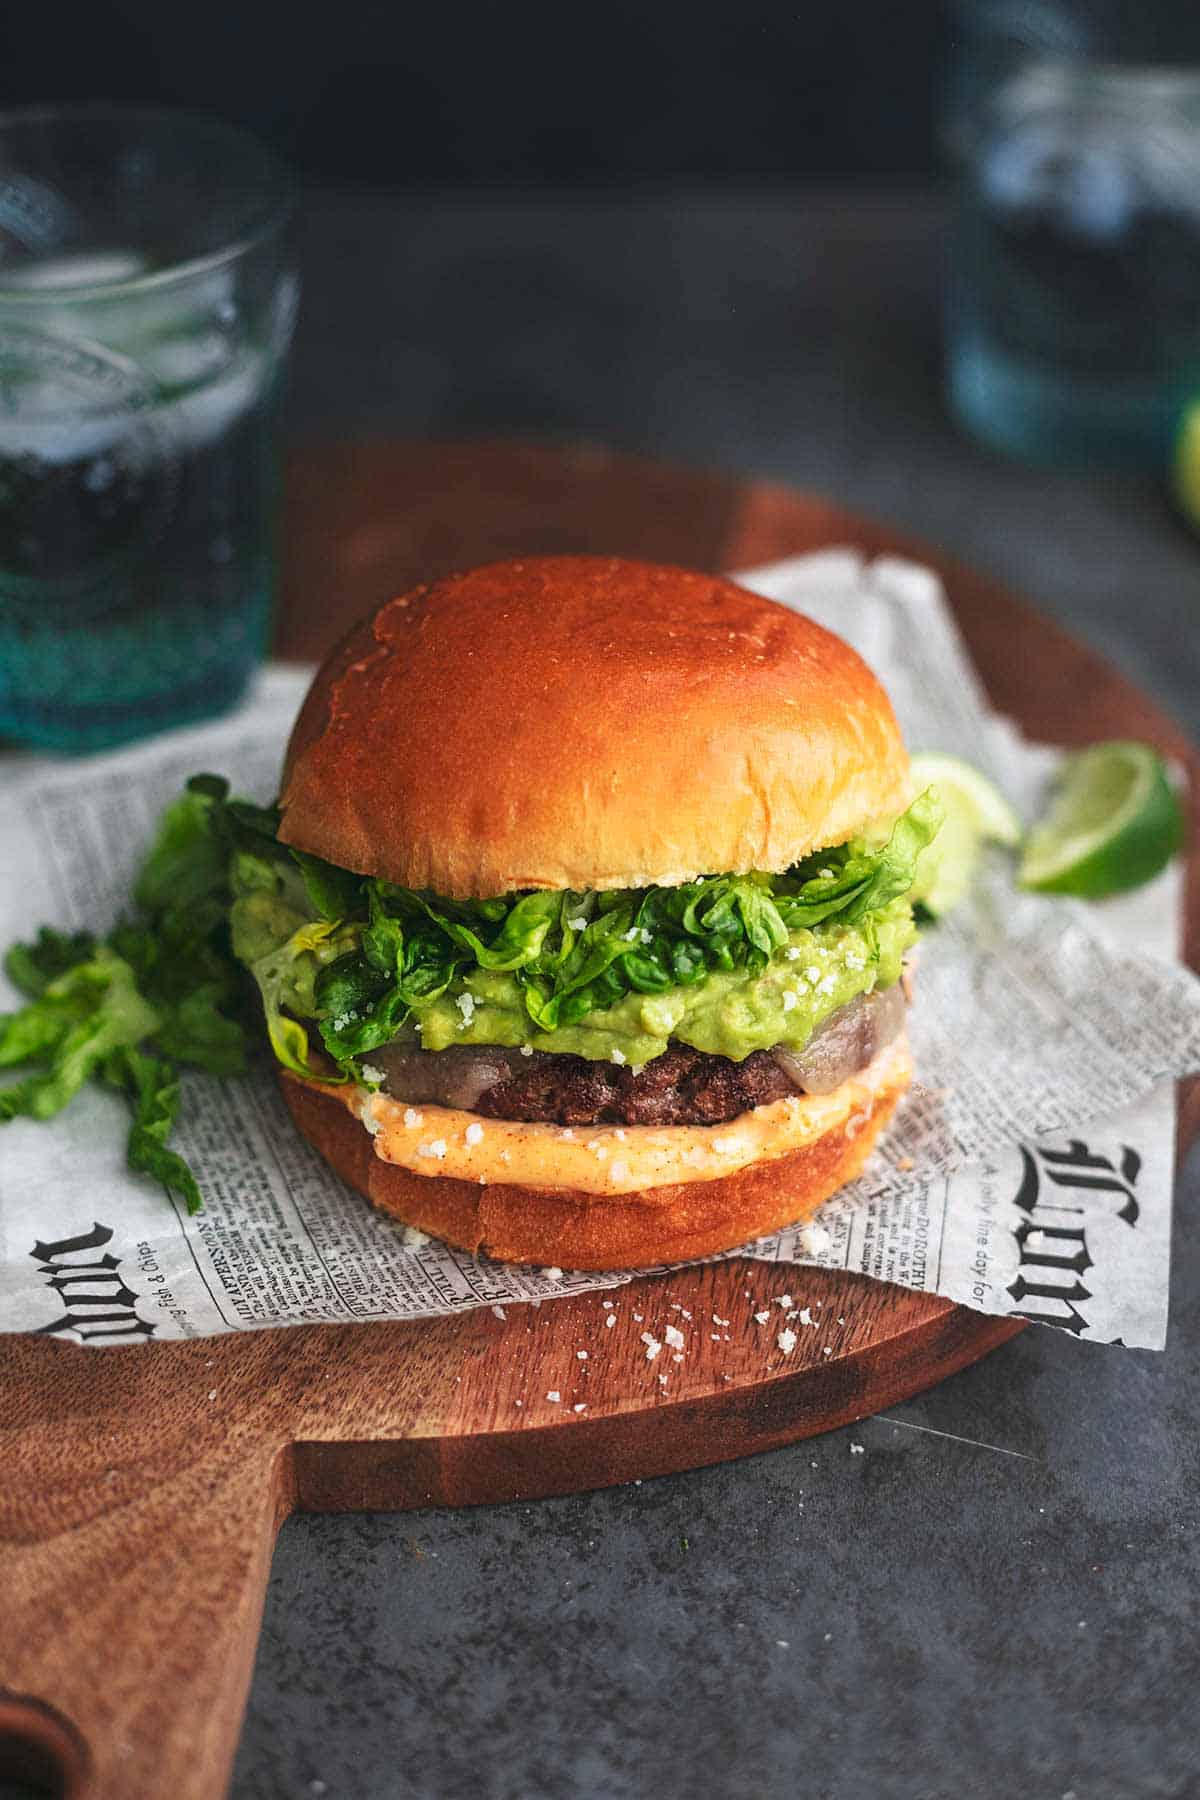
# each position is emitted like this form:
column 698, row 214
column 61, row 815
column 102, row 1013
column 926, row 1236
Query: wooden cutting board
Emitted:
column 141, row 1489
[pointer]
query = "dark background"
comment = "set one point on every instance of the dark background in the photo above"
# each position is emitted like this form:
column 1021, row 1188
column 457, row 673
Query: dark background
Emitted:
column 390, row 94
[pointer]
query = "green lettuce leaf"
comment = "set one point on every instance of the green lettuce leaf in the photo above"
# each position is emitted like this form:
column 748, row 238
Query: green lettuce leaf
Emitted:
column 151, row 1086
column 80, row 1019
column 163, row 989
column 851, row 881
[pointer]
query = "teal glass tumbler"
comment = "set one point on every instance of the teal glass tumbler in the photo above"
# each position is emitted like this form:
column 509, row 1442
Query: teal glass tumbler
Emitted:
column 148, row 294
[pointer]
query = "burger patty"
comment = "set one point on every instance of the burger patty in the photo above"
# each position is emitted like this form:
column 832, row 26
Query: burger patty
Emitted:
column 680, row 1087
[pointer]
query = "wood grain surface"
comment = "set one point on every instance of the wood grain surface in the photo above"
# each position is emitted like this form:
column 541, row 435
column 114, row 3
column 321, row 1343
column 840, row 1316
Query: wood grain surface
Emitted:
column 143, row 1487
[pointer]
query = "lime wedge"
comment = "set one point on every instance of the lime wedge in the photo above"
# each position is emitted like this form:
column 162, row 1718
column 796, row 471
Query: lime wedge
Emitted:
column 1185, row 472
column 976, row 814
column 1114, row 822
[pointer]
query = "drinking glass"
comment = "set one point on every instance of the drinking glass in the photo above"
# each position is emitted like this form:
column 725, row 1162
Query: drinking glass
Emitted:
column 1074, row 279
column 147, row 299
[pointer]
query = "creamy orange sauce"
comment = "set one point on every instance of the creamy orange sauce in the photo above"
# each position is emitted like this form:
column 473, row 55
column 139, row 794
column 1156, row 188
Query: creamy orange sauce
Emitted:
column 610, row 1159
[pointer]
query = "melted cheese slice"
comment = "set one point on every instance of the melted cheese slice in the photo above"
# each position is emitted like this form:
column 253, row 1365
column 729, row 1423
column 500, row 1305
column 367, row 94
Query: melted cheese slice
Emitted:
column 612, row 1159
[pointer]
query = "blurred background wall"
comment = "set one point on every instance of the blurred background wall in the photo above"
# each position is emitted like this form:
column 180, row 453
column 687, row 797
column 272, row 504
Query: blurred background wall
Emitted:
column 388, row 94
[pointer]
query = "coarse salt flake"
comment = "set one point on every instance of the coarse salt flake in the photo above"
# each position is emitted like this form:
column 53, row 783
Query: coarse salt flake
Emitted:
column 674, row 1337
column 554, row 1396
column 436, row 1147
column 582, row 1355
column 726, row 1146
column 652, row 1345
column 372, row 1074
column 857, row 1449
column 784, row 1300
column 580, row 1406
column 717, row 1320
column 761, row 1317
column 786, row 1341
column 814, row 1240
column 611, row 1320
column 789, row 1001
column 553, row 1273
column 499, row 1312
column 413, row 1119
column 792, row 953
column 526, row 1049
column 812, row 973
column 579, row 923
column 466, row 1006
column 617, row 1056
column 474, row 1134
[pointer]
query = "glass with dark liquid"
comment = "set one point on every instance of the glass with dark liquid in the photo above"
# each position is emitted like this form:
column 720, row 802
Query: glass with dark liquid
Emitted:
column 147, row 298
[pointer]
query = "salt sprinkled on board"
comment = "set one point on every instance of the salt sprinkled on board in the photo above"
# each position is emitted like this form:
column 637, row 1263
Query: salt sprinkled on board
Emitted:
column 611, row 1319
column 786, row 1341
column 652, row 1345
column 784, row 1300
column 674, row 1337
column 499, row 1312
column 761, row 1317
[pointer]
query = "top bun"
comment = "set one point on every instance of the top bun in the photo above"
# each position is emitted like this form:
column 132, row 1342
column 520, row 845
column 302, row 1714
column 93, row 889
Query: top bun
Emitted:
column 586, row 722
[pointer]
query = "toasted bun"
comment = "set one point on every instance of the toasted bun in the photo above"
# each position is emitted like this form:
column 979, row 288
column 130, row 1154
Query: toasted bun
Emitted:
column 586, row 722
column 576, row 1230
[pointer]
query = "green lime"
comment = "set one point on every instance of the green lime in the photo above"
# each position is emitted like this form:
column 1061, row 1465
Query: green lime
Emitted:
column 976, row 814
column 1185, row 473
column 1114, row 822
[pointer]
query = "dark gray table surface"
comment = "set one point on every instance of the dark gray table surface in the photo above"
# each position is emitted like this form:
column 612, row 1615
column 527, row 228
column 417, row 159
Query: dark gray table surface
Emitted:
column 998, row 1596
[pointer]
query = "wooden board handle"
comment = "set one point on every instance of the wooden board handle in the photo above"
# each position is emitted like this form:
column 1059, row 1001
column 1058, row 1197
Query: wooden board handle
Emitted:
column 128, row 1620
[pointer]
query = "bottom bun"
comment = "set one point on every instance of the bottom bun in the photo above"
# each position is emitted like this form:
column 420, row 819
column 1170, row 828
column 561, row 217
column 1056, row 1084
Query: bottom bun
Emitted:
column 574, row 1230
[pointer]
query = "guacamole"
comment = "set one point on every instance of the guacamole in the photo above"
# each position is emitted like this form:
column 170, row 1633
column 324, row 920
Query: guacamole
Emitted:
column 728, row 965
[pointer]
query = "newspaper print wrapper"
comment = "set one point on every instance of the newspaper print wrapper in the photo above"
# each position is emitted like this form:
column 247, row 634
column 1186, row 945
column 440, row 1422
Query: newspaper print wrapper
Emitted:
column 1029, row 1172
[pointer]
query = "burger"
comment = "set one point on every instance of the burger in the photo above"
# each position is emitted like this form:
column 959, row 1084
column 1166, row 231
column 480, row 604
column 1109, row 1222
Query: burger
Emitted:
column 582, row 936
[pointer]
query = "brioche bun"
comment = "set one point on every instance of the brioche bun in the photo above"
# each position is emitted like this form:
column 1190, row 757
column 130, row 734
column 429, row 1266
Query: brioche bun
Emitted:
column 586, row 722
column 676, row 1222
